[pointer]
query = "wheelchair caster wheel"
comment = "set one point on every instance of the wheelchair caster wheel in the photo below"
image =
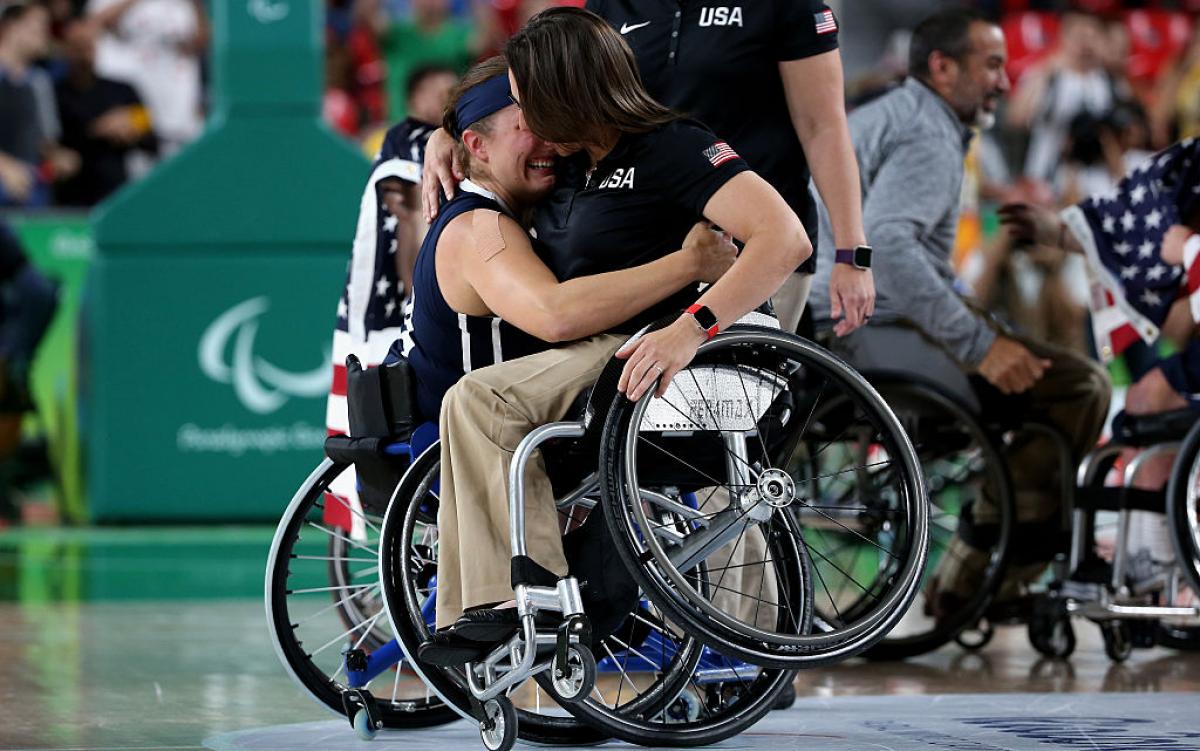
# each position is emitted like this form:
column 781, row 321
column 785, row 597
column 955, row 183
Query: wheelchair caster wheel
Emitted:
column 498, row 730
column 975, row 638
column 363, row 727
column 1118, row 641
column 1052, row 635
column 363, row 712
column 575, row 682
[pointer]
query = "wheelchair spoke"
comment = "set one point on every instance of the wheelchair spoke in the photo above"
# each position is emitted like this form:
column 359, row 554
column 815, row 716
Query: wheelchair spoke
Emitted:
column 350, row 507
column 700, row 427
column 702, row 473
column 333, row 558
column 396, row 683
column 884, row 463
column 624, row 674
column 337, row 535
column 737, row 592
column 732, row 551
column 365, row 624
column 337, row 603
column 758, row 433
column 339, row 588
column 855, row 533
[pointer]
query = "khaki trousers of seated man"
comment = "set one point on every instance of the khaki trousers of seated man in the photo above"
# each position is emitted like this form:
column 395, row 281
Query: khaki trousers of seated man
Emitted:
column 1073, row 395
column 484, row 417
column 791, row 298
column 741, row 573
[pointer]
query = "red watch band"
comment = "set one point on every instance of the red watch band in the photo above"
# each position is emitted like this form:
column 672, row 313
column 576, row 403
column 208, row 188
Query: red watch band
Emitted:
column 704, row 318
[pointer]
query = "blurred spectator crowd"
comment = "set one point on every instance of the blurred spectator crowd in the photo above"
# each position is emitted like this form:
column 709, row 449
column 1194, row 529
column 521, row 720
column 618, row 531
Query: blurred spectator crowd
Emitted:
column 93, row 92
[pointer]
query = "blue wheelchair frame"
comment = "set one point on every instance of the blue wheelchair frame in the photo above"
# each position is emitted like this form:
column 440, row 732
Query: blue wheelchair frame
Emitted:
column 712, row 668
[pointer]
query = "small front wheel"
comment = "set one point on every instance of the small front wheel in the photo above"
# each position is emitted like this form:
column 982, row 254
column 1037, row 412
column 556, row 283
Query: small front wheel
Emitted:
column 364, row 728
column 575, row 683
column 1118, row 641
column 498, row 730
column 1052, row 635
column 975, row 638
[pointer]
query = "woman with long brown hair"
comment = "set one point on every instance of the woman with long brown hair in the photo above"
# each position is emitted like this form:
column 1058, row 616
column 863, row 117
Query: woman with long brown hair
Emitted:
column 635, row 179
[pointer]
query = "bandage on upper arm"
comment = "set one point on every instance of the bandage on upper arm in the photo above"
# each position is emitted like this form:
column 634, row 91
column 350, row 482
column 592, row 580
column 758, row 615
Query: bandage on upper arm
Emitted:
column 485, row 228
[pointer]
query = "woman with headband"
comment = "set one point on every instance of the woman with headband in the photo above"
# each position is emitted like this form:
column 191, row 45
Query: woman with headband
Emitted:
column 645, row 175
column 480, row 293
column 482, row 296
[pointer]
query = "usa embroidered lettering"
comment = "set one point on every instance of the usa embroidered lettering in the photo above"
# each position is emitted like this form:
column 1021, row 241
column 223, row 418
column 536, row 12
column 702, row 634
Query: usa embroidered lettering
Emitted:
column 721, row 15
column 719, row 153
column 826, row 23
column 620, row 178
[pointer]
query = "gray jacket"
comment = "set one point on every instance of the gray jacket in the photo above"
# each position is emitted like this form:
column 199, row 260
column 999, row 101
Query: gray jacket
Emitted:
column 910, row 147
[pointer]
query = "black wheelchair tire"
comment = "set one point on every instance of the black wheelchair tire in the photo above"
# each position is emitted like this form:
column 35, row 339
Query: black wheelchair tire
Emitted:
column 1183, row 501
column 897, row 392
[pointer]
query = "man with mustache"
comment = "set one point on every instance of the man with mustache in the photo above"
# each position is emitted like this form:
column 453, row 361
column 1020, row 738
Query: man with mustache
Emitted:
column 910, row 144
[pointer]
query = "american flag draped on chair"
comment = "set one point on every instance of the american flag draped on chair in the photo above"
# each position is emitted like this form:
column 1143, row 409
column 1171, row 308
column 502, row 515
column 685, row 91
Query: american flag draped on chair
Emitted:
column 370, row 310
column 1122, row 231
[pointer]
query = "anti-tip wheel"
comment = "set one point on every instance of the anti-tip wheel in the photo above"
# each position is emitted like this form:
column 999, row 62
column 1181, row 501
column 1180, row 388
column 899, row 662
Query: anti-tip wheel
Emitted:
column 498, row 730
column 976, row 637
column 579, row 678
column 363, row 727
column 1118, row 642
column 1052, row 636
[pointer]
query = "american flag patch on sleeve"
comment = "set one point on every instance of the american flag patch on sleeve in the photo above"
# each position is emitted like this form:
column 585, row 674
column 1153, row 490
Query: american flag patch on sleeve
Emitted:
column 719, row 153
column 826, row 24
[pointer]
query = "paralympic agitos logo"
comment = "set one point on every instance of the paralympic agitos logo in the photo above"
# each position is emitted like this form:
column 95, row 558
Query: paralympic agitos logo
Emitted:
column 260, row 386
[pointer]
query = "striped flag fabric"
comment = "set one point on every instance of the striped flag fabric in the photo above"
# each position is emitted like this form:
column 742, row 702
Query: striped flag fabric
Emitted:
column 1133, row 287
column 1191, row 265
column 719, row 153
column 826, row 23
column 370, row 310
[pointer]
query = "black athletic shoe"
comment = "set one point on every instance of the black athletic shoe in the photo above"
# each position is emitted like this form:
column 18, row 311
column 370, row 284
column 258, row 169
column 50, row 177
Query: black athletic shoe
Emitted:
column 448, row 649
column 496, row 624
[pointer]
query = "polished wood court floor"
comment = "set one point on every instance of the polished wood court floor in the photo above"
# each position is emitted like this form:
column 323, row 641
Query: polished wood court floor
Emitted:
column 156, row 639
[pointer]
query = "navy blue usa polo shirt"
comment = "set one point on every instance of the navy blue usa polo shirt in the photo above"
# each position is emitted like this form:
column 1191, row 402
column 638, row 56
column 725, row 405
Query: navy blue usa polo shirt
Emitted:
column 719, row 63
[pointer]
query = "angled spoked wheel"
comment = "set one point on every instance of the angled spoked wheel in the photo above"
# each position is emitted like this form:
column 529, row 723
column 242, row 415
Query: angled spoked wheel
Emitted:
column 323, row 598
column 785, row 447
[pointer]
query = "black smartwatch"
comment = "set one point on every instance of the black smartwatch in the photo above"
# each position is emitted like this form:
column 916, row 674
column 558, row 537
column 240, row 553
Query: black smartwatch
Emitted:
column 859, row 257
column 704, row 318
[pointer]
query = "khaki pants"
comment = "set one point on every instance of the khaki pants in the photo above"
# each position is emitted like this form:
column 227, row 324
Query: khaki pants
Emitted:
column 484, row 417
column 741, row 573
column 790, row 299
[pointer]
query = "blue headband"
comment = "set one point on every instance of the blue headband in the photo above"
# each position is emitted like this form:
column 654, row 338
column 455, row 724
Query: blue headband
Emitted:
column 482, row 100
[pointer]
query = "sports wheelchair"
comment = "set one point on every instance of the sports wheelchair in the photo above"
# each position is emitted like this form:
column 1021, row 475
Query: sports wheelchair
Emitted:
column 973, row 514
column 1139, row 597
column 763, row 438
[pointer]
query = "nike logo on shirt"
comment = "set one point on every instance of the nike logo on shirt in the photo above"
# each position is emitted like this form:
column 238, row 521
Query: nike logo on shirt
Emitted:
column 627, row 27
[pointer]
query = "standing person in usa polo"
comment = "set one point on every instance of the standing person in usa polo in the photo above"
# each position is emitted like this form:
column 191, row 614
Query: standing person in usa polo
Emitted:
column 767, row 78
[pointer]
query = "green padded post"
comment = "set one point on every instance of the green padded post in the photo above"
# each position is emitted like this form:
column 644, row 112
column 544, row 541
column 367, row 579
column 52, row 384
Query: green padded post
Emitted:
column 212, row 299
